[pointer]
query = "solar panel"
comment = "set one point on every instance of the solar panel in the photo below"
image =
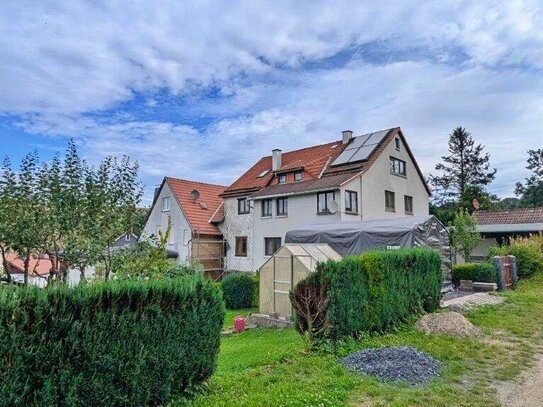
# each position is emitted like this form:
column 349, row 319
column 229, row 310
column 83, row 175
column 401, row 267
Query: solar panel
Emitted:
column 360, row 148
column 345, row 156
column 376, row 137
column 363, row 153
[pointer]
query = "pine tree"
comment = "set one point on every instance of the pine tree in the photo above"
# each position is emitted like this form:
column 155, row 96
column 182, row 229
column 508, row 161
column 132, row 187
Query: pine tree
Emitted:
column 466, row 166
column 531, row 192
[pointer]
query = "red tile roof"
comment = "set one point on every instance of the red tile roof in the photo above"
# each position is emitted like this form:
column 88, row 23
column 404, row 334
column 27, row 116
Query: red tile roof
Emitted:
column 37, row 266
column 218, row 216
column 313, row 160
column 316, row 162
column 198, row 212
column 516, row 216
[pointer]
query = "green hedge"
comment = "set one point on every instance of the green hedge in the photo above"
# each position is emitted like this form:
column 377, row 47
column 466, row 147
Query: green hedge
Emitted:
column 125, row 343
column 238, row 290
column 373, row 292
column 480, row 272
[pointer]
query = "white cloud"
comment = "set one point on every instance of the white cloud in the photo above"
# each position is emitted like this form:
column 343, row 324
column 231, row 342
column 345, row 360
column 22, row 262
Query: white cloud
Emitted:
column 427, row 68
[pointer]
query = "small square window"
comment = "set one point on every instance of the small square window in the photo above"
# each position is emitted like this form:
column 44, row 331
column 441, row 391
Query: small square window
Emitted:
column 282, row 206
column 166, row 204
column 243, row 206
column 390, row 205
column 298, row 176
column 397, row 166
column 266, row 208
column 271, row 245
column 282, row 179
column 241, row 246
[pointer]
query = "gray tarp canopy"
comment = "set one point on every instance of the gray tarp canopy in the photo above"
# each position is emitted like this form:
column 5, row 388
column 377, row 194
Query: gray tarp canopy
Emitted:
column 349, row 238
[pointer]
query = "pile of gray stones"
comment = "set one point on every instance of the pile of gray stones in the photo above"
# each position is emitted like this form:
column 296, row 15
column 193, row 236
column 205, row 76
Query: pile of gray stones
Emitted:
column 402, row 364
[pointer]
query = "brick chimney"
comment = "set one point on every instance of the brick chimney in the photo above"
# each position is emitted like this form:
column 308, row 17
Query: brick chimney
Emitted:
column 347, row 136
column 276, row 159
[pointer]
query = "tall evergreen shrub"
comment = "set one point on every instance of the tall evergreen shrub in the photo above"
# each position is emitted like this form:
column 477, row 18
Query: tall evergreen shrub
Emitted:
column 126, row 343
column 373, row 292
column 238, row 290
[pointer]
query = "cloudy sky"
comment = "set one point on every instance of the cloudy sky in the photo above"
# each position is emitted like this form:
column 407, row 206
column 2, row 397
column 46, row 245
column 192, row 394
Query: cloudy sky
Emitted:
column 200, row 90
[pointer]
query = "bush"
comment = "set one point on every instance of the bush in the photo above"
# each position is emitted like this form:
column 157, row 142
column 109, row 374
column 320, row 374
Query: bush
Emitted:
column 373, row 292
column 528, row 252
column 480, row 272
column 123, row 343
column 238, row 290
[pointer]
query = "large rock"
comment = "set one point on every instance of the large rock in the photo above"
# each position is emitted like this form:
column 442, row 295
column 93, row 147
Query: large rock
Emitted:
column 448, row 323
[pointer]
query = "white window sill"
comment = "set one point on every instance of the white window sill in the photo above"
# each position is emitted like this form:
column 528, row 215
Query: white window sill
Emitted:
column 282, row 216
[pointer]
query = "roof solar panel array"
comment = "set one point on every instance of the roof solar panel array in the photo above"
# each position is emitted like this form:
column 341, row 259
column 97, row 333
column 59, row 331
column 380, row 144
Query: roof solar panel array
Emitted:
column 361, row 147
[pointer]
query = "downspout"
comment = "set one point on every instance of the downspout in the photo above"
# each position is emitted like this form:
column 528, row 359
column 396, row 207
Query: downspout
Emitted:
column 360, row 203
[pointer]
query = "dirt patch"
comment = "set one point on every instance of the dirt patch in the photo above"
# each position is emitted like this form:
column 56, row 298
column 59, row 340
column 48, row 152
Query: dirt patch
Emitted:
column 526, row 391
column 448, row 323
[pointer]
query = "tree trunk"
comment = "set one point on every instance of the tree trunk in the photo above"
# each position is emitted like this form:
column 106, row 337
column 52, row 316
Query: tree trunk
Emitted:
column 5, row 264
column 26, row 265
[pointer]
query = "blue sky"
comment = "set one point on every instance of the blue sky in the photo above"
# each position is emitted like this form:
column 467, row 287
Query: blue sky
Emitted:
column 200, row 91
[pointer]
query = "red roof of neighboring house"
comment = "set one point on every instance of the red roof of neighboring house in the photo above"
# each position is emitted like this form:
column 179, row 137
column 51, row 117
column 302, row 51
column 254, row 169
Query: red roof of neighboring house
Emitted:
column 37, row 266
column 198, row 211
column 515, row 216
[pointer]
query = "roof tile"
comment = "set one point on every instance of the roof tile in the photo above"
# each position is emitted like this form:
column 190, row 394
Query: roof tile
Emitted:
column 515, row 216
column 198, row 212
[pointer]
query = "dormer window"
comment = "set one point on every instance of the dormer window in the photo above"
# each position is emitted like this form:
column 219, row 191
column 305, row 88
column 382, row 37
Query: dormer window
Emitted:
column 282, row 179
column 298, row 176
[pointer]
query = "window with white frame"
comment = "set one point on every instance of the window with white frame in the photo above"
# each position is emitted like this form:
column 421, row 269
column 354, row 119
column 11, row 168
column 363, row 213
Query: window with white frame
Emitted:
column 266, row 208
column 243, row 206
column 351, row 201
column 165, row 204
column 323, row 202
column 397, row 166
column 282, row 178
column 282, row 206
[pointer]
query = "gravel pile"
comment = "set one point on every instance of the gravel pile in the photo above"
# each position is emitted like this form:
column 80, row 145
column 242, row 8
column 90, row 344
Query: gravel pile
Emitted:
column 394, row 364
column 448, row 323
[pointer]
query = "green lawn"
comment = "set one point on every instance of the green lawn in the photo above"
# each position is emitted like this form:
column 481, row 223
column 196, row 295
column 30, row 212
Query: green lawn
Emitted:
column 271, row 367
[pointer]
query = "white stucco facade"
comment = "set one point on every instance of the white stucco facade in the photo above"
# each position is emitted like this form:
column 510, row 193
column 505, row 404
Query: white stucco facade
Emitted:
column 378, row 179
column 237, row 225
column 181, row 232
column 370, row 187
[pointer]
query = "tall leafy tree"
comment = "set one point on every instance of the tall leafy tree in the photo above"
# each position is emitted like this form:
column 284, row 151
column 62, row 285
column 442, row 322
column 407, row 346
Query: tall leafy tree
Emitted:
column 531, row 191
column 465, row 166
column 8, row 184
column 464, row 235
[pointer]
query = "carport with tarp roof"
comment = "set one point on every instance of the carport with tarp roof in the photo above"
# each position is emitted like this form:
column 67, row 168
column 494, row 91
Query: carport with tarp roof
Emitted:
column 350, row 238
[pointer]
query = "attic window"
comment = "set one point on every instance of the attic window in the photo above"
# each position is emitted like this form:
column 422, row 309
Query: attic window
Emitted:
column 166, row 204
column 298, row 176
column 282, row 179
column 397, row 141
column 263, row 173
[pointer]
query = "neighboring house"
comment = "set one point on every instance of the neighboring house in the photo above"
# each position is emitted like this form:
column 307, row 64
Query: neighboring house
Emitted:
column 372, row 176
column 497, row 227
column 189, row 206
column 38, row 270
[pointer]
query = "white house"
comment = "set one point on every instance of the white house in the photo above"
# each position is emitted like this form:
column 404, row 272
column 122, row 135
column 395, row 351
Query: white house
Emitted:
column 188, row 206
column 372, row 176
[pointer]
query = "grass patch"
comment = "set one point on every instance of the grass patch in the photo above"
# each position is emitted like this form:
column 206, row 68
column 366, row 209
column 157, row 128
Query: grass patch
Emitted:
column 272, row 368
